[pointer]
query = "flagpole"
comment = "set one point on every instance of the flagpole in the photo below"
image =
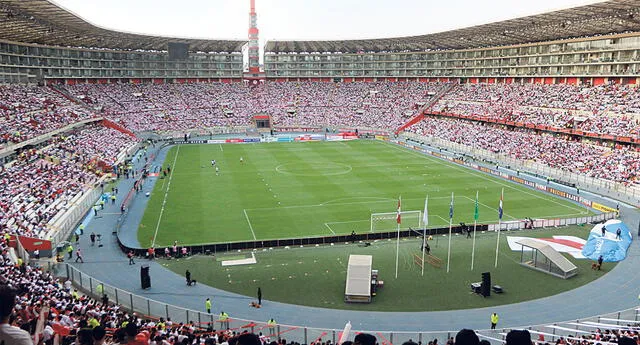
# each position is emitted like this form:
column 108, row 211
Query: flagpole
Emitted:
column 398, row 250
column 398, row 241
column 475, row 223
column 450, row 223
column 424, row 231
column 499, row 225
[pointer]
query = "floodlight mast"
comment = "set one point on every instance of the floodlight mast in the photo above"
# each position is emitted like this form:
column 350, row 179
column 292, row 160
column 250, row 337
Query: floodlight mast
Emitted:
column 254, row 47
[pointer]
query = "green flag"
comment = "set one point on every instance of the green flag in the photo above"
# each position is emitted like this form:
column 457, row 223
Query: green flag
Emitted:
column 476, row 213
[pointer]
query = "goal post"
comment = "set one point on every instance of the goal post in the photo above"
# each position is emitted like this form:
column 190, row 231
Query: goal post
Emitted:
column 387, row 221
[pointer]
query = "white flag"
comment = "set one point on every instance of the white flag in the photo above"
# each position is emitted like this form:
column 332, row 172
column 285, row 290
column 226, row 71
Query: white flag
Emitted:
column 425, row 214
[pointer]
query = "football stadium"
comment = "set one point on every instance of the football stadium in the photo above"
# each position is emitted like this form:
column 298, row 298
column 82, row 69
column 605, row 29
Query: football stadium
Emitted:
column 464, row 186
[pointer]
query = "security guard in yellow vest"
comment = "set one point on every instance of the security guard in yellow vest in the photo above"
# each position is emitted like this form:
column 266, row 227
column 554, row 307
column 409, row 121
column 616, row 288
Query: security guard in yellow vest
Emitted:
column 223, row 318
column 494, row 320
column 272, row 327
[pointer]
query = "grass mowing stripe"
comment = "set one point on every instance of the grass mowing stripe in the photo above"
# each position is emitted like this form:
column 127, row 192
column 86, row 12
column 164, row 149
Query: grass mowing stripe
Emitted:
column 453, row 166
column 164, row 201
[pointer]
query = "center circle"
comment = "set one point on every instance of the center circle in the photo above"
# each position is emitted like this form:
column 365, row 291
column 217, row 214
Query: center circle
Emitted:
column 314, row 169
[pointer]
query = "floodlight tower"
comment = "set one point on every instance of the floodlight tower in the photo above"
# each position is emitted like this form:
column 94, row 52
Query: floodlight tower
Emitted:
column 254, row 47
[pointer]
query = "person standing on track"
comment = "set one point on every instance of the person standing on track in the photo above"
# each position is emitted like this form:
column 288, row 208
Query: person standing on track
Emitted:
column 207, row 305
column 494, row 320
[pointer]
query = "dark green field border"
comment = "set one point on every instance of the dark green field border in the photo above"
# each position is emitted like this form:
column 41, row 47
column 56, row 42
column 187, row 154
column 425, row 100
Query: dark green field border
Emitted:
column 240, row 245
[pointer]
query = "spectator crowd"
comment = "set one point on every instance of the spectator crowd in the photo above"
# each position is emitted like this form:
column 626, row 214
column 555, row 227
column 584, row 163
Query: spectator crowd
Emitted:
column 29, row 111
column 165, row 107
column 610, row 109
column 41, row 183
column 618, row 163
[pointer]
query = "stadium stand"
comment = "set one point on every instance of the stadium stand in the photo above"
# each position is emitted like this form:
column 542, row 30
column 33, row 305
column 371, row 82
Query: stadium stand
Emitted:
column 617, row 163
column 187, row 106
column 28, row 111
column 40, row 183
column 603, row 109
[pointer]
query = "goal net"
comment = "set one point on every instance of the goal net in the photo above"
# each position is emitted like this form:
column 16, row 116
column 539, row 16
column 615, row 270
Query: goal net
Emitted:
column 381, row 222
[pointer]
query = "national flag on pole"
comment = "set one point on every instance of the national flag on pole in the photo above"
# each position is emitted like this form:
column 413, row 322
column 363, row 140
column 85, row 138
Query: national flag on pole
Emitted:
column 500, row 207
column 451, row 208
column 398, row 218
column 476, row 212
column 425, row 214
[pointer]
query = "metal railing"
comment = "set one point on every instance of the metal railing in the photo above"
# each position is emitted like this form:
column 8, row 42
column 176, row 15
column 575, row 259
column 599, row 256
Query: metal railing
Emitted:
column 153, row 309
column 63, row 227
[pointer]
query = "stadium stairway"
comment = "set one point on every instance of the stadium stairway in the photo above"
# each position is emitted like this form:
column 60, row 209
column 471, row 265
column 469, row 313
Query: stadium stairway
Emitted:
column 117, row 127
column 424, row 108
column 67, row 95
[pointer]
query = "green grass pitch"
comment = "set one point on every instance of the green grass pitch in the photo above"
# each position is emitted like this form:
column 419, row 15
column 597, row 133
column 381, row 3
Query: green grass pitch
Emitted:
column 315, row 276
column 290, row 190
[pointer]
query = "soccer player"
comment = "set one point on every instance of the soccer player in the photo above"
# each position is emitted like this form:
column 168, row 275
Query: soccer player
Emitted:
column 241, row 160
column 217, row 171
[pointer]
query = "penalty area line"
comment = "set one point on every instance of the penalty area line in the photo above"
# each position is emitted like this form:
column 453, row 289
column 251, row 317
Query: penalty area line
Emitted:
column 250, row 226
column 327, row 225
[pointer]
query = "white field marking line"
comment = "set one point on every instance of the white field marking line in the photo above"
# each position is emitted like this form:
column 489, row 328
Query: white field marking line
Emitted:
column 567, row 215
column 327, row 225
column 250, row 226
column 330, row 202
column 489, row 207
column 338, row 204
column 164, row 201
column 445, row 220
column 350, row 221
column 221, row 147
column 482, row 176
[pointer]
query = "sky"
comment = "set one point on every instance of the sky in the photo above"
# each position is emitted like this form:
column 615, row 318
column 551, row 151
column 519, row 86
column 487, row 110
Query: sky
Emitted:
column 304, row 19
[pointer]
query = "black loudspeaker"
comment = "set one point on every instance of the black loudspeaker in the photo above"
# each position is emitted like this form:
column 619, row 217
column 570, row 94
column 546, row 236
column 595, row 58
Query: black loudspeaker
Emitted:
column 145, row 278
column 486, row 284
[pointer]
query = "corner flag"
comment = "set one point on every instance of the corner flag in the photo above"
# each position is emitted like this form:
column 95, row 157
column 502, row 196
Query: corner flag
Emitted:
column 500, row 207
column 398, row 218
